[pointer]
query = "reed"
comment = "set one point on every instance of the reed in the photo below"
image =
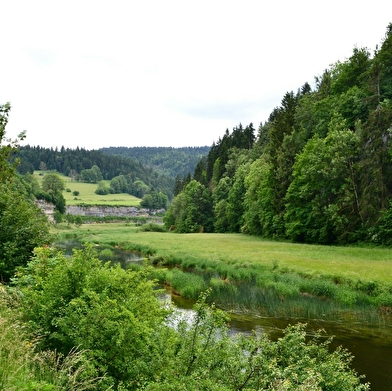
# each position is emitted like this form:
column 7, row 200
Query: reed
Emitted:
column 188, row 284
column 249, row 271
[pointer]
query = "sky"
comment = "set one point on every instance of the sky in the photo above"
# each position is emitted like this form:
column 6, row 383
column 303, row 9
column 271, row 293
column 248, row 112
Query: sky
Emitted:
column 93, row 74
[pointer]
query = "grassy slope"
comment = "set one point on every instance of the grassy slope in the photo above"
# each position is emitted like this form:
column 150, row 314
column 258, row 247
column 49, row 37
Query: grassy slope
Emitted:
column 87, row 194
column 354, row 263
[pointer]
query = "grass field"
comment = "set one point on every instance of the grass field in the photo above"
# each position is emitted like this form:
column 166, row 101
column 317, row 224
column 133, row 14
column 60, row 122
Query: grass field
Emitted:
column 87, row 194
column 253, row 274
column 355, row 263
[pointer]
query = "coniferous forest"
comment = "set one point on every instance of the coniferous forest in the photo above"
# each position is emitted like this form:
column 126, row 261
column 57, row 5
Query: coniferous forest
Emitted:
column 169, row 161
column 319, row 170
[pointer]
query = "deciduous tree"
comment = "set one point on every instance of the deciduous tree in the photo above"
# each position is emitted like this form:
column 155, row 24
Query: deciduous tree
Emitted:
column 23, row 225
column 191, row 210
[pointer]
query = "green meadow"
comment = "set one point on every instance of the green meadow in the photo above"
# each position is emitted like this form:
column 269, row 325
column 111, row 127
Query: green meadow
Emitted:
column 87, row 194
column 247, row 271
column 242, row 250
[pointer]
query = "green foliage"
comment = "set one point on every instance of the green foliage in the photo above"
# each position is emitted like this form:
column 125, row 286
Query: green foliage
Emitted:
column 55, row 198
column 337, row 207
column 121, row 184
column 152, row 227
column 91, row 175
column 8, row 148
column 220, row 153
column 260, row 217
column 117, row 313
column 52, row 183
column 191, row 210
column 381, row 233
column 323, row 197
column 124, row 332
column 24, row 368
column 102, row 189
column 351, row 73
column 140, row 189
column 235, row 199
column 23, row 226
column 189, row 284
column 154, row 200
column 219, row 195
column 167, row 161
column 78, row 220
column 203, row 356
column 53, row 186
column 31, row 184
column 253, row 209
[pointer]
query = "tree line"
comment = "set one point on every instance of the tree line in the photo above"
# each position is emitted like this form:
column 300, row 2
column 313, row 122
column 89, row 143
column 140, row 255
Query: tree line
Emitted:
column 319, row 170
column 93, row 166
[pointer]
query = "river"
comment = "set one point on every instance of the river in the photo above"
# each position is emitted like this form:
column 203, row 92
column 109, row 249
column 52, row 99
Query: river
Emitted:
column 371, row 346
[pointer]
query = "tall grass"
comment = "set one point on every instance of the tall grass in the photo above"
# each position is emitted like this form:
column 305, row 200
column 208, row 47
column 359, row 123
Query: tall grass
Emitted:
column 187, row 284
column 24, row 369
column 273, row 276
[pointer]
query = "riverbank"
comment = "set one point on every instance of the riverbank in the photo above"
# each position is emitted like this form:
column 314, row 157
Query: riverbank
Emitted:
column 249, row 273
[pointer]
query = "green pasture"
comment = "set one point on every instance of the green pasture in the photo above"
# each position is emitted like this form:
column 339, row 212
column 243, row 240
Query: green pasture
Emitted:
column 202, row 250
column 248, row 273
column 87, row 194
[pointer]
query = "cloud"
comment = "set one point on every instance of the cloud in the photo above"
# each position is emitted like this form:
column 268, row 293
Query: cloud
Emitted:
column 221, row 110
column 42, row 57
column 94, row 73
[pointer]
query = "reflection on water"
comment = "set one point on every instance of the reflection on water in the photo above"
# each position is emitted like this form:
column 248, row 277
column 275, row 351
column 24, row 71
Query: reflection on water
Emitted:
column 371, row 346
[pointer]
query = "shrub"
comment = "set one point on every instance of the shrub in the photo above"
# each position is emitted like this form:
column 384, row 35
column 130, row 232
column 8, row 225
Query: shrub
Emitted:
column 107, row 311
column 23, row 368
column 23, row 226
column 152, row 227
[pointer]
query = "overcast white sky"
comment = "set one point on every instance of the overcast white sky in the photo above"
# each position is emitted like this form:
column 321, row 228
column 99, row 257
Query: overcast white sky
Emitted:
column 167, row 73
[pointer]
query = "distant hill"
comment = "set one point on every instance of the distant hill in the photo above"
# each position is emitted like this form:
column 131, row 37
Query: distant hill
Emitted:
column 157, row 167
column 168, row 161
column 74, row 161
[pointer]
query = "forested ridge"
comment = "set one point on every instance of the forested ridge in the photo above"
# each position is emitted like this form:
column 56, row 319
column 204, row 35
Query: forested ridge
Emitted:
column 172, row 162
column 72, row 162
column 318, row 170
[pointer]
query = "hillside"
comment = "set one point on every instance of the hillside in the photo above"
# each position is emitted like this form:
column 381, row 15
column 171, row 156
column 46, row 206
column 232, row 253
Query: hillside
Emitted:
column 86, row 193
column 318, row 171
column 71, row 162
column 168, row 161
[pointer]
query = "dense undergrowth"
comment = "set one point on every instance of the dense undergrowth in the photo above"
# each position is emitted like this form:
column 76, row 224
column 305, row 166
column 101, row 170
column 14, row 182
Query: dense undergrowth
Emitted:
column 74, row 323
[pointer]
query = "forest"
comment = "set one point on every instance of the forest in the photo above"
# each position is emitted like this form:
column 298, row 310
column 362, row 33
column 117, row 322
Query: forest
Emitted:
column 137, row 171
column 169, row 161
column 319, row 170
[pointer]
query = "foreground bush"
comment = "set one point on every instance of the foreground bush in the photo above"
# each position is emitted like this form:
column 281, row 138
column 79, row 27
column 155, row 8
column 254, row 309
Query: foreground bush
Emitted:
column 137, row 343
column 22, row 368
column 78, row 302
